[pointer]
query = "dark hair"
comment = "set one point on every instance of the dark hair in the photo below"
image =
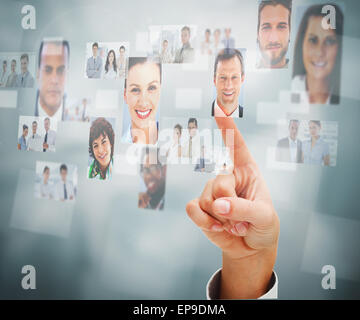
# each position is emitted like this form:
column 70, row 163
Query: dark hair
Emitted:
column 63, row 167
column 227, row 54
column 133, row 61
column 208, row 30
column 25, row 127
column 153, row 153
column 13, row 60
column 193, row 120
column 317, row 122
column 285, row 3
column 299, row 68
column 107, row 61
column 47, row 118
column 34, row 122
column 186, row 28
column 24, row 56
column 95, row 44
column 5, row 62
column 47, row 168
column 122, row 47
column 179, row 127
column 101, row 127
column 293, row 120
column 63, row 43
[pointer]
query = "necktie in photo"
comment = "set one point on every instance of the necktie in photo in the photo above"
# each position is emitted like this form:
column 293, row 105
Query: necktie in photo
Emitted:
column 45, row 141
column 22, row 81
column 65, row 192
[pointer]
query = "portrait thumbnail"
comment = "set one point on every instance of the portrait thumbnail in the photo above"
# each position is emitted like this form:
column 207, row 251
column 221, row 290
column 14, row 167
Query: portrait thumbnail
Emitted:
column 173, row 43
column 273, row 33
column 229, row 79
column 37, row 134
column 142, row 98
column 317, row 55
column 17, row 69
column 152, row 179
column 56, row 181
column 101, row 148
column 52, row 73
column 106, row 60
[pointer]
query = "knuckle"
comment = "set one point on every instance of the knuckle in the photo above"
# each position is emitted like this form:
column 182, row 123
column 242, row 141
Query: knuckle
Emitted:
column 206, row 203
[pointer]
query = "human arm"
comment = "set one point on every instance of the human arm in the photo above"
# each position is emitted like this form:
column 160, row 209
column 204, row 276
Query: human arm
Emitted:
column 235, row 212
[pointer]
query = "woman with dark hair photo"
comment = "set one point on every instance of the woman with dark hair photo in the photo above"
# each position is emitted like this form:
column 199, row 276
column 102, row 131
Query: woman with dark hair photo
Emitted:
column 101, row 149
column 142, row 96
column 110, row 66
column 317, row 57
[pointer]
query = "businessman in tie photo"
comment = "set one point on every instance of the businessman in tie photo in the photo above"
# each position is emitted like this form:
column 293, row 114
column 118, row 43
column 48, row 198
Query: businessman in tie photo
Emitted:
column 24, row 79
column 65, row 188
column 94, row 64
column 289, row 149
column 229, row 76
column 50, row 137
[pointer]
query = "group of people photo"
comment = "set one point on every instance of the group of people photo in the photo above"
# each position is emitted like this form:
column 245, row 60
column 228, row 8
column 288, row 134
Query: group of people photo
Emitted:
column 55, row 181
column 309, row 142
column 15, row 71
column 173, row 44
column 36, row 134
column 106, row 60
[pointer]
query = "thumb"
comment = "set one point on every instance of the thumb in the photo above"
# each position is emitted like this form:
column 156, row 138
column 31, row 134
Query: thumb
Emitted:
column 240, row 209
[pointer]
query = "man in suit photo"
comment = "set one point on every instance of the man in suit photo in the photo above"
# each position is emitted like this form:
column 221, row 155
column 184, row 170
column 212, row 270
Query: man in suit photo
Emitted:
column 24, row 78
column 94, row 63
column 289, row 149
column 229, row 75
column 53, row 67
column 186, row 53
column 50, row 137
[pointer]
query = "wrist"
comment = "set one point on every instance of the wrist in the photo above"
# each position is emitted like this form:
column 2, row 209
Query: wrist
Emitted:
column 247, row 277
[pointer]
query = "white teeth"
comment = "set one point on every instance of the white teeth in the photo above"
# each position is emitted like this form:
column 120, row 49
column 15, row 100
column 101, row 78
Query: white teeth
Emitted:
column 319, row 64
column 143, row 114
column 228, row 93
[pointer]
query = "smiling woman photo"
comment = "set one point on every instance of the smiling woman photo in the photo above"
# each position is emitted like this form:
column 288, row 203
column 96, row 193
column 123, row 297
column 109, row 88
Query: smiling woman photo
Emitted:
column 101, row 149
column 110, row 66
column 317, row 57
column 142, row 95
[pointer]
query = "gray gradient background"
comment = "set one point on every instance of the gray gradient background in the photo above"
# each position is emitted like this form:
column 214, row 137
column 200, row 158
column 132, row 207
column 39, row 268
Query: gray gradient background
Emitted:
column 107, row 248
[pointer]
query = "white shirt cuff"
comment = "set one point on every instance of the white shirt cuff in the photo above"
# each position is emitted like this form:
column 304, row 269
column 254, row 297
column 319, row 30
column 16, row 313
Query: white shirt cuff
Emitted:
column 213, row 287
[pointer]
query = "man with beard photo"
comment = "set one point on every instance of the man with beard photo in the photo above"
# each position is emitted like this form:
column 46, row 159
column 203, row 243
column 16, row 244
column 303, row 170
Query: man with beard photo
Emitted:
column 153, row 174
column 273, row 33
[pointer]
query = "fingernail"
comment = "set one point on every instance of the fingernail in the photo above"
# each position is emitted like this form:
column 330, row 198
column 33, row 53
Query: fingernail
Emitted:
column 233, row 231
column 217, row 228
column 240, row 228
column 222, row 206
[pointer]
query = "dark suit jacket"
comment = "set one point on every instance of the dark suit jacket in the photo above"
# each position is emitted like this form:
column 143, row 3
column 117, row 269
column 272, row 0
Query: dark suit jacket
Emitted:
column 241, row 110
column 283, row 151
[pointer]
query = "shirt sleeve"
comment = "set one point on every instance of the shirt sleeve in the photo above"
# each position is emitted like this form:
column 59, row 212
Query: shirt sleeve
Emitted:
column 213, row 287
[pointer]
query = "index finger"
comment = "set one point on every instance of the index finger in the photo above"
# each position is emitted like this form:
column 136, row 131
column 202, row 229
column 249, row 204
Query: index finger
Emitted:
column 234, row 140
